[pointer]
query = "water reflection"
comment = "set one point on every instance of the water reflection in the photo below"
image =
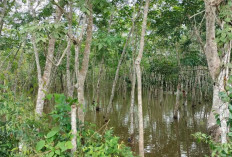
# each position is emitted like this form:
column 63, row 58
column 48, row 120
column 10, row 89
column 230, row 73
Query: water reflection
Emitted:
column 163, row 136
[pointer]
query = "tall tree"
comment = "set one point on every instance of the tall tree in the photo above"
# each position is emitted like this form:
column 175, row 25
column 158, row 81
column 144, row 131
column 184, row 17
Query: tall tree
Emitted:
column 43, row 80
column 139, row 80
column 85, row 63
column 217, row 67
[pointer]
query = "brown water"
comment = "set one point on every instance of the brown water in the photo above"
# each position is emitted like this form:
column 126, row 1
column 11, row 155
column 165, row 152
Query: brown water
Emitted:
column 163, row 136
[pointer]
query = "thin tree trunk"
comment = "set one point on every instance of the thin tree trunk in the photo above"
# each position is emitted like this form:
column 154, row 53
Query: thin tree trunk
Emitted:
column 133, row 86
column 132, row 101
column 177, row 101
column 118, row 68
column 98, row 81
column 139, row 80
column 2, row 14
column 85, row 64
column 68, row 75
column 178, row 91
column 74, row 127
column 161, row 91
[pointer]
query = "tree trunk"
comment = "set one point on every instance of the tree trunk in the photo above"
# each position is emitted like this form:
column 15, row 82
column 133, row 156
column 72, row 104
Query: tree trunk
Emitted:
column 44, row 80
column 139, row 80
column 43, row 84
column 133, row 89
column 216, row 73
column 118, row 68
column 177, row 101
column 98, row 81
column 68, row 75
column 211, row 51
column 219, row 107
column 132, row 101
column 2, row 14
column 74, row 127
column 85, row 64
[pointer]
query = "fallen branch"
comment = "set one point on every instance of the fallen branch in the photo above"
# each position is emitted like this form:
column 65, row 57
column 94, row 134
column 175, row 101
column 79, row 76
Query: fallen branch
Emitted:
column 101, row 128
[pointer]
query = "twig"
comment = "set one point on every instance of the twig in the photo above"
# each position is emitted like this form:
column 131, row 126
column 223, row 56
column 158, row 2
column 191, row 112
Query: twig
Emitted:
column 65, row 51
column 196, row 14
column 100, row 128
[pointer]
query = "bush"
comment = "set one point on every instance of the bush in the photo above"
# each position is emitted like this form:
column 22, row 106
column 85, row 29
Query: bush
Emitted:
column 37, row 139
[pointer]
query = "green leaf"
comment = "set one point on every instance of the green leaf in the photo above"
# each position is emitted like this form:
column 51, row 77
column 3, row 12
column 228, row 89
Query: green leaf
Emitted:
column 57, row 152
column 53, row 132
column 40, row 145
column 69, row 145
column 49, row 96
column 51, row 154
column 61, row 145
column 227, row 19
column 100, row 46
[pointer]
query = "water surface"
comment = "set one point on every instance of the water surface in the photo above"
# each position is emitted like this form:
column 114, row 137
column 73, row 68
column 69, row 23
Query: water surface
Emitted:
column 163, row 136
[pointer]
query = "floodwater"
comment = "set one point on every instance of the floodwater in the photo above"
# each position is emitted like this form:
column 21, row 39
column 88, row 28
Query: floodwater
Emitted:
column 163, row 136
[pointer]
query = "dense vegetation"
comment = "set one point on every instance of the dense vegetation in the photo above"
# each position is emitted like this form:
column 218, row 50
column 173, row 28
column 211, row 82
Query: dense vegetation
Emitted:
column 54, row 51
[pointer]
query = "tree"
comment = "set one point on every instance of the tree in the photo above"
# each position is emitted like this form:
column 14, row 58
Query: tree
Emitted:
column 217, row 66
column 139, row 80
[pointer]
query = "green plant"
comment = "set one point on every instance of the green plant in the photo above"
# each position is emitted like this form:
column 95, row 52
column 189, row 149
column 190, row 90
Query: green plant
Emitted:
column 54, row 144
column 217, row 149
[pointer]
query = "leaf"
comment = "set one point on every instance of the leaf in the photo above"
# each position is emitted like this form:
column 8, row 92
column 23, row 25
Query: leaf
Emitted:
column 69, row 145
column 57, row 152
column 227, row 19
column 49, row 96
column 51, row 154
column 53, row 132
column 72, row 101
column 61, row 145
column 100, row 46
column 40, row 145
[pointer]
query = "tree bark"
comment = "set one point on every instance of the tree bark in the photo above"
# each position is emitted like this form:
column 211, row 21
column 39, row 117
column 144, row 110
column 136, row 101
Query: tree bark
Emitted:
column 98, row 81
column 139, row 80
column 68, row 74
column 211, row 51
column 74, row 127
column 2, row 14
column 177, row 101
column 85, row 64
column 217, row 73
column 133, row 86
column 45, row 79
column 179, row 85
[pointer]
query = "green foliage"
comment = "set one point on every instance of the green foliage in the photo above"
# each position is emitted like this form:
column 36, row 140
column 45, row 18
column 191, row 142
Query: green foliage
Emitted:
column 19, row 125
column 103, row 145
column 218, row 149
column 225, row 34
column 55, row 143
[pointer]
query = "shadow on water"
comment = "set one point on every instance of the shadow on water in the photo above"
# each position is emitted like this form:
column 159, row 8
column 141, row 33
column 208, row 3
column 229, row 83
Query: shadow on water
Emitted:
column 163, row 136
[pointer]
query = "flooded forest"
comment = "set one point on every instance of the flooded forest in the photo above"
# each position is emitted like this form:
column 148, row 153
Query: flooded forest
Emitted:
column 115, row 78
